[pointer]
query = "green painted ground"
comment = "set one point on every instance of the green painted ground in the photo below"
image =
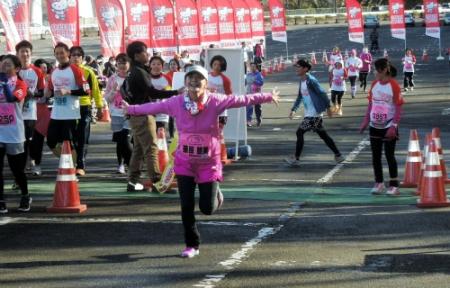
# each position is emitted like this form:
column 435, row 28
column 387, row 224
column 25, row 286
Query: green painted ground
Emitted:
column 308, row 194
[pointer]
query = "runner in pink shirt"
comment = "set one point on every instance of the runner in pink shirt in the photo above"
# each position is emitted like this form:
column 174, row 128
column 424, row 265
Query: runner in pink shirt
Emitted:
column 197, row 158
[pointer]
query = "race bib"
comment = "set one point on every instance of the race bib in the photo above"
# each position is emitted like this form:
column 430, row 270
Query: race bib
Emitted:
column 26, row 105
column 7, row 114
column 337, row 81
column 408, row 66
column 60, row 101
column 352, row 69
column 118, row 101
column 196, row 146
column 379, row 114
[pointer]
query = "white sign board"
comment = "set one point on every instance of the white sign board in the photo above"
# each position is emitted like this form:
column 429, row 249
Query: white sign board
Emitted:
column 236, row 128
column 178, row 80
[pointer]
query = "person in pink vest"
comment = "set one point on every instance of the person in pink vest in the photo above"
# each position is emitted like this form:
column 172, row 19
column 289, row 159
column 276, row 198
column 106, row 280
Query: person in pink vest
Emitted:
column 197, row 158
column 409, row 60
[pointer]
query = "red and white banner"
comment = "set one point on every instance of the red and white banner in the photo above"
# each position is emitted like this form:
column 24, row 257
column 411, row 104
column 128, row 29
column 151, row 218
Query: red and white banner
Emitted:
column 110, row 16
column 11, row 34
column 209, row 22
column 226, row 23
column 397, row 15
column 431, row 16
column 188, row 28
column 64, row 21
column 163, row 28
column 20, row 10
column 278, row 19
column 138, row 20
column 355, row 21
column 257, row 17
column 242, row 21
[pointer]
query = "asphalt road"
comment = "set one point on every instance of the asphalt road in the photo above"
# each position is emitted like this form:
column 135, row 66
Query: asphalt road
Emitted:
column 312, row 226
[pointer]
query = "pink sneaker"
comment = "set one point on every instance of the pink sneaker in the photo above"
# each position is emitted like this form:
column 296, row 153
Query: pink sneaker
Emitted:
column 190, row 252
column 393, row 191
column 378, row 189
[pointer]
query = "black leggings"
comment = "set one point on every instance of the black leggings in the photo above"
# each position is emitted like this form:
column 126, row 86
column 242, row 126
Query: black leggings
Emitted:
column 322, row 134
column 36, row 147
column 123, row 146
column 29, row 129
column 352, row 81
column 17, row 166
column 408, row 80
column 207, row 202
column 377, row 141
column 363, row 80
column 336, row 96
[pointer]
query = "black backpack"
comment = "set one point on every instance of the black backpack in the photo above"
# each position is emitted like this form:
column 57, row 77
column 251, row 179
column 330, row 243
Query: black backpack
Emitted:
column 125, row 90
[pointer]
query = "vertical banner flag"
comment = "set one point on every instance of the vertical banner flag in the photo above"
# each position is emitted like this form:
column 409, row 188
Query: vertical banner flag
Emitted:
column 20, row 10
column 209, row 22
column 138, row 20
column 226, row 24
column 64, row 21
column 163, row 28
column 432, row 18
column 242, row 21
column 187, row 28
column 397, row 15
column 110, row 16
column 278, row 19
column 355, row 21
column 11, row 34
column 257, row 18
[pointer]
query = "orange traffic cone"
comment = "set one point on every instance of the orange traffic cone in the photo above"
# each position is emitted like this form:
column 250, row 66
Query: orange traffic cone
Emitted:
column 270, row 69
column 105, row 113
column 425, row 55
column 313, row 58
column 264, row 71
column 436, row 135
column 163, row 155
column 413, row 161
column 324, row 57
column 223, row 150
column 432, row 192
column 66, row 198
column 422, row 166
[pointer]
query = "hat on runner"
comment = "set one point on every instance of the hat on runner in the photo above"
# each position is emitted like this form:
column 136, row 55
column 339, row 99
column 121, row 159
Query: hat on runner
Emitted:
column 197, row 69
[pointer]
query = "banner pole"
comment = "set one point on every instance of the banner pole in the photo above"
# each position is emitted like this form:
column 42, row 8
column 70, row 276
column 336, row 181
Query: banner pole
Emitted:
column 440, row 50
column 287, row 52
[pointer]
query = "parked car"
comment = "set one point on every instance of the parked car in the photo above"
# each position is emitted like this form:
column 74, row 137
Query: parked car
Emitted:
column 446, row 19
column 409, row 20
column 371, row 21
column 39, row 29
column 379, row 8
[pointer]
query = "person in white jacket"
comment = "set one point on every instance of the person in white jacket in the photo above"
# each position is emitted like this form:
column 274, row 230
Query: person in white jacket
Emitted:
column 353, row 64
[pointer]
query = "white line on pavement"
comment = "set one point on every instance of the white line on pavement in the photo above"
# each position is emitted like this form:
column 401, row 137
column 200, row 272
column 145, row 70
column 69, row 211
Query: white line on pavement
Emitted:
column 246, row 249
column 6, row 220
column 350, row 157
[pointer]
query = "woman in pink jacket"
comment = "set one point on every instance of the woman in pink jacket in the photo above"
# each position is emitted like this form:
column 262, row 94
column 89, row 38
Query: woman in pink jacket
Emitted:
column 197, row 158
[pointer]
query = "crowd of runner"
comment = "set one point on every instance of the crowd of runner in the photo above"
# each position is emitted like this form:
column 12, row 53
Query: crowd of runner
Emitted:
column 40, row 103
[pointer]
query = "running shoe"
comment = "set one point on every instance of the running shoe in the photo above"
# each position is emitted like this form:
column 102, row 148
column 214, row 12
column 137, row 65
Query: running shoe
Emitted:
column 249, row 124
column 339, row 158
column 36, row 170
column 412, row 88
column 3, row 209
column 25, row 204
column 405, row 89
column 393, row 191
column 378, row 189
column 292, row 161
column 81, row 172
column 121, row 169
column 219, row 199
column 190, row 252
column 134, row 187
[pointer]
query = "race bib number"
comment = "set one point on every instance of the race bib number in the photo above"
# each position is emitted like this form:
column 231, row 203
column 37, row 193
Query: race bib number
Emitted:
column 379, row 114
column 60, row 101
column 118, row 100
column 196, row 146
column 337, row 81
column 352, row 69
column 7, row 114
column 26, row 105
column 408, row 66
